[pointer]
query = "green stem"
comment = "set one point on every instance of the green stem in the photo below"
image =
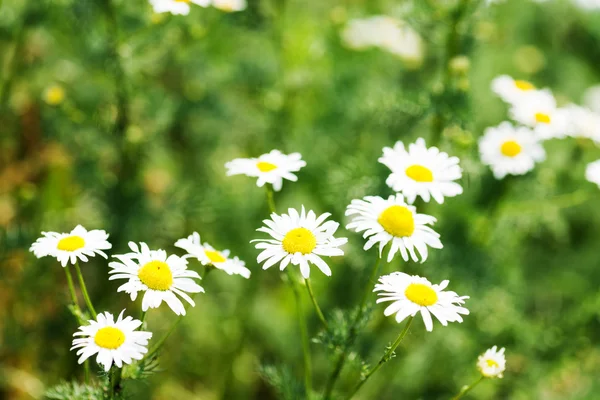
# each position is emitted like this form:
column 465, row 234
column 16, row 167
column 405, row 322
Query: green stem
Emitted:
column 143, row 317
column 386, row 357
column 84, row 291
column 270, row 200
column 86, row 370
column 115, row 381
column 466, row 389
column 71, row 287
column 303, row 334
column 335, row 374
column 314, row 301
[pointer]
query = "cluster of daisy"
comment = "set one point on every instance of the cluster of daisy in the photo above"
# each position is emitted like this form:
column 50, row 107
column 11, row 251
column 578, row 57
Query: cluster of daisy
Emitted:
column 515, row 149
column 162, row 278
column 182, row 7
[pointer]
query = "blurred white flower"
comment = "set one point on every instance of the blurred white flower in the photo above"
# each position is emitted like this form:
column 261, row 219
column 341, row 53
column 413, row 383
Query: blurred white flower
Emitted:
column 78, row 244
column 583, row 122
column 587, row 4
column 299, row 238
column 511, row 90
column 159, row 276
column 229, row 5
column 115, row 342
column 592, row 172
column 207, row 255
column 176, row 7
column 412, row 294
column 509, row 150
column 393, row 220
column 422, row 171
column 387, row 33
column 591, row 98
column 492, row 363
column 271, row 168
column 539, row 111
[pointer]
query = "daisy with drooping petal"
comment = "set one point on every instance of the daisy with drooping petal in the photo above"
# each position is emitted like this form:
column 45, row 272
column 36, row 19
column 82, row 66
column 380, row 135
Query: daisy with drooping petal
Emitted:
column 299, row 239
column 511, row 90
column 115, row 342
column 492, row 363
column 78, row 244
column 539, row 112
column 161, row 277
column 422, row 171
column 509, row 150
column 229, row 5
column 592, row 172
column 392, row 220
column 412, row 294
column 176, row 7
column 271, row 168
column 207, row 255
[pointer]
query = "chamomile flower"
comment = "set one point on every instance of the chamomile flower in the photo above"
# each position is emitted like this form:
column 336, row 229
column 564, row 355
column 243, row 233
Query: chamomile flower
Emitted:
column 207, row 255
column 69, row 247
column 159, row 276
column 299, row 239
column 492, row 363
column 511, row 90
column 271, row 168
column 392, row 220
column 412, row 294
column 229, row 5
column 115, row 342
column 422, row 171
column 509, row 150
column 584, row 122
column 592, row 172
column 539, row 112
column 176, row 7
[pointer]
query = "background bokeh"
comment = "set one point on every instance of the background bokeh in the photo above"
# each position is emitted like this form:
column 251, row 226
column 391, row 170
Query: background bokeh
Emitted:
column 153, row 107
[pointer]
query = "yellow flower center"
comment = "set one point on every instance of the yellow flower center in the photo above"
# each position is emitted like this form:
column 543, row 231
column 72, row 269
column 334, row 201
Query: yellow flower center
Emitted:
column 491, row 363
column 421, row 294
column 542, row 118
column 70, row 243
column 265, row 166
column 214, row 256
column 55, row 95
column 109, row 337
column 524, row 85
column 419, row 173
column 299, row 240
column 156, row 275
column 397, row 221
column 510, row 148
column 183, row 1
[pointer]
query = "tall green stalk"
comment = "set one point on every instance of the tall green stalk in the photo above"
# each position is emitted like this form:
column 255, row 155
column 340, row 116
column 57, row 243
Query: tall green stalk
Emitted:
column 314, row 301
column 466, row 389
column 84, row 291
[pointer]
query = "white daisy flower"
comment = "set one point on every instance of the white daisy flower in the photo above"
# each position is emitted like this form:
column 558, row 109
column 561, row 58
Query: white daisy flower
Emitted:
column 584, row 122
column 539, row 112
column 229, row 5
column 509, row 150
column 115, row 342
column 176, row 7
column 271, row 168
column 78, row 244
column 411, row 294
column 299, row 238
column 161, row 277
column 492, row 363
column 511, row 90
column 591, row 98
column 592, row 172
column 393, row 220
column 207, row 255
column 422, row 171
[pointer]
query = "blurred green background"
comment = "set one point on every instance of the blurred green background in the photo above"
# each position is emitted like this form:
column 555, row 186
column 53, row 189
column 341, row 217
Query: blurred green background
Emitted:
column 154, row 105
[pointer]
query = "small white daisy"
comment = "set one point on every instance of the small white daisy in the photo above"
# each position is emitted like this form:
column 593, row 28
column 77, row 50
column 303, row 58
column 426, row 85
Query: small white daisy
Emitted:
column 299, row 238
column 161, row 277
column 271, row 168
column 78, row 244
column 492, row 363
column 509, row 150
column 207, row 255
column 584, row 122
column 511, row 90
column 229, row 5
column 411, row 294
column 115, row 342
column 422, row 171
column 176, row 7
column 539, row 112
column 592, row 172
column 393, row 220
